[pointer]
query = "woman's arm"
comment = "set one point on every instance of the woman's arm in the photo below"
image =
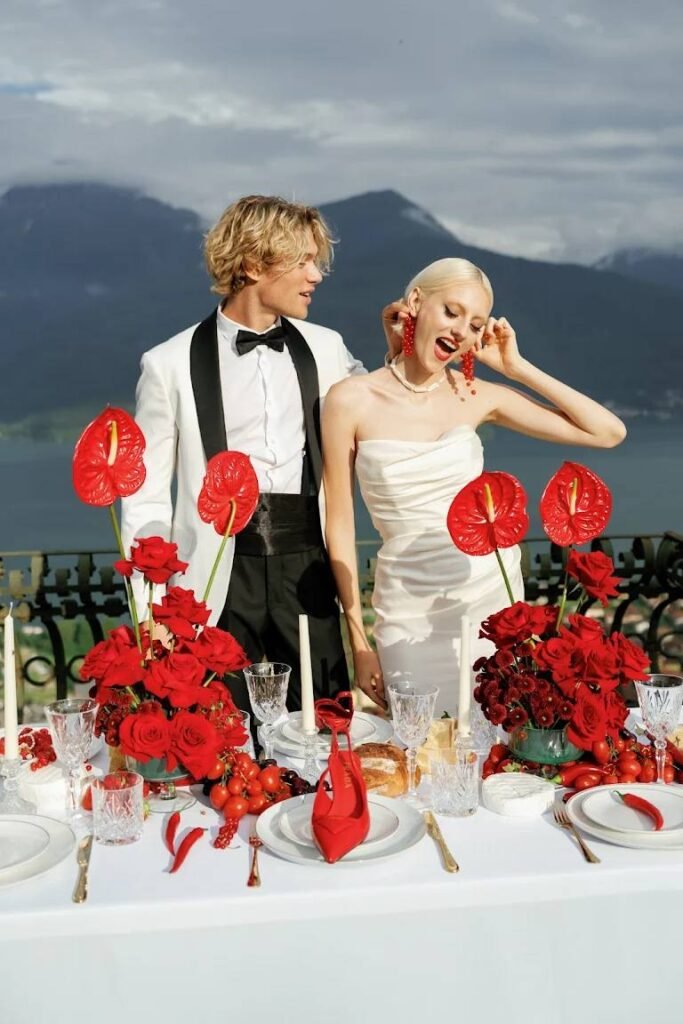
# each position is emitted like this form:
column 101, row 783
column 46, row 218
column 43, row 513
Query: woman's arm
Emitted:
column 572, row 418
column 339, row 421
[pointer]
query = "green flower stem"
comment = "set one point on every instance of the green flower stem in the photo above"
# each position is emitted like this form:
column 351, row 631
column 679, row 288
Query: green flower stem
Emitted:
column 210, row 679
column 126, row 582
column 231, row 520
column 150, row 621
column 505, row 577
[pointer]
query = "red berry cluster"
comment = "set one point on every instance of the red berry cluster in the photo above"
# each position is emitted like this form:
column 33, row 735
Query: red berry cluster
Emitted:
column 467, row 367
column 226, row 834
column 110, row 716
column 35, row 745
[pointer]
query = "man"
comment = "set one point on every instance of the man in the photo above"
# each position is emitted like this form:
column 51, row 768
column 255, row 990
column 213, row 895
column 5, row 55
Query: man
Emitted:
column 250, row 378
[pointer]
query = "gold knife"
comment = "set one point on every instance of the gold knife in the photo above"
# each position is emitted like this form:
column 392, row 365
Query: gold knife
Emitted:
column 80, row 893
column 449, row 861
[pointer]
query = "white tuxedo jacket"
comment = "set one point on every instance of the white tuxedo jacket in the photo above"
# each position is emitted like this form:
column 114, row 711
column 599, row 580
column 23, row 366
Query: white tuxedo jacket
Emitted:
column 166, row 411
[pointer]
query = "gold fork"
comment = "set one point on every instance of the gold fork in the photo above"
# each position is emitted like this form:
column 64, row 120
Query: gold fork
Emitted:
column 254, row 879
column 564, row 822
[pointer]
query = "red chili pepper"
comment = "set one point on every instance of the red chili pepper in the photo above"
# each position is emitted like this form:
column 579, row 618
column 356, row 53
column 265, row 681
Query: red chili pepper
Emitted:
column 188, row 842
column 644, row 806
column 569, row 775
column 171, row 829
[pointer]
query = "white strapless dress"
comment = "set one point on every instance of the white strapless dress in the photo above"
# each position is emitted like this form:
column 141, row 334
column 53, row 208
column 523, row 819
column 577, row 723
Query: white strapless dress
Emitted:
column 423, row 583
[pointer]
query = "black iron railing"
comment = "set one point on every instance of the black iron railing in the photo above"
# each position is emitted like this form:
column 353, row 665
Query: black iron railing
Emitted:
column 64, row 601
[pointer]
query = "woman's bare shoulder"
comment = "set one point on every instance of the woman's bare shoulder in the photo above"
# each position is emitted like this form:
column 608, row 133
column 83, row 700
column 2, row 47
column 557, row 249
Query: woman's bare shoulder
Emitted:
column 349, row 389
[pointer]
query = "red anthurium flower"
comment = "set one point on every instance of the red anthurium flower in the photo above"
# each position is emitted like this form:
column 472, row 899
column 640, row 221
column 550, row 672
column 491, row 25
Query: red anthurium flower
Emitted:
column 576, row 505
column 488, row 513
column 107, row 462
column 230, row 481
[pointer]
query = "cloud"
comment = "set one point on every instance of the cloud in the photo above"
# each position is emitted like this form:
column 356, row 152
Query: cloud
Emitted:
column 555, row 129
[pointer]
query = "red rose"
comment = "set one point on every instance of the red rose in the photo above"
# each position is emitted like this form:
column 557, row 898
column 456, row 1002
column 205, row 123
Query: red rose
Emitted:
column 146, row 733
column 218, row 651
column 616, row 713
column 543, row 618
column 194, row 743
column 633, row 662
column 510, row 626
column 589, row 721
column 593, row 570
column 177, row 678
column 555, row 655
column 575, row 506
column 586, row 631
column 487, row 514
column 601, row 667
column 180, row 612
column 115, row 661
column 154, row 557
column 107, row 462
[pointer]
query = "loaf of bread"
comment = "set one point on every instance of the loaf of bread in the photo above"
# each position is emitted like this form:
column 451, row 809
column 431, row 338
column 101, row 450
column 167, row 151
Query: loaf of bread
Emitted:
column 384, row 768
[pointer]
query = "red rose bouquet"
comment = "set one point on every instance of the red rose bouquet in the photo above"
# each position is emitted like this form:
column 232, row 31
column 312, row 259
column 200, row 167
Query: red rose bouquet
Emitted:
column 548, row 673
column 160, row 686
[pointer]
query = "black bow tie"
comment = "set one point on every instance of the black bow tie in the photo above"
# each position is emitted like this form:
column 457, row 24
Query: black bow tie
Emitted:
column 247, row 340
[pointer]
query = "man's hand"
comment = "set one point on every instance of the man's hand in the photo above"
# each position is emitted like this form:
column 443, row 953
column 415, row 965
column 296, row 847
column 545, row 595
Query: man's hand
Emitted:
column 393, row 316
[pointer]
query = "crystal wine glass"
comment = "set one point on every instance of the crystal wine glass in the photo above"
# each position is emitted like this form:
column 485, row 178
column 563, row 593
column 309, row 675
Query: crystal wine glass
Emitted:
column 267, row 685
column 412, row 711
column 71, row 724
column 660, row 698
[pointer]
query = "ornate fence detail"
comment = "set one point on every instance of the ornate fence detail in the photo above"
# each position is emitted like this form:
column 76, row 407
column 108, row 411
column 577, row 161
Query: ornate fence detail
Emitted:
column 65, row 601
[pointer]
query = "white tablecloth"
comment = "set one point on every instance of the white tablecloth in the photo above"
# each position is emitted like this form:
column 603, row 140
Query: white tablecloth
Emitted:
column 526, row 932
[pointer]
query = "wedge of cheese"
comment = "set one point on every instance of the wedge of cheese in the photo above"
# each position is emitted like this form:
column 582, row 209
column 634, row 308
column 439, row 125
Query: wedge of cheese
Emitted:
column 517, row 795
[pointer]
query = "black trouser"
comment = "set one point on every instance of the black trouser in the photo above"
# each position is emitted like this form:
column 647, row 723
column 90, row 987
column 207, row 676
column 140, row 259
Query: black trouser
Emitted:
column 267, row 594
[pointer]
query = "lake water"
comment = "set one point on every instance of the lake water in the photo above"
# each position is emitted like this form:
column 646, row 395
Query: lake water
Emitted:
column 39, row 511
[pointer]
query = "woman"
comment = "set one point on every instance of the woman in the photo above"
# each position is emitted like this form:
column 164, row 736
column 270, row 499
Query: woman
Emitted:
column 408, row 431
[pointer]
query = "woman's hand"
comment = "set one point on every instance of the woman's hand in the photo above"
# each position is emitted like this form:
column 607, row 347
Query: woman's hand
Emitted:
column 368, row 676
column 393, row 315
column 497, row 348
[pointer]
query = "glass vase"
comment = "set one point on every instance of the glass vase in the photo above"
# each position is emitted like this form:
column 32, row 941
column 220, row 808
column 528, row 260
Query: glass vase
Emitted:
column 164, row 796
column 545, row 746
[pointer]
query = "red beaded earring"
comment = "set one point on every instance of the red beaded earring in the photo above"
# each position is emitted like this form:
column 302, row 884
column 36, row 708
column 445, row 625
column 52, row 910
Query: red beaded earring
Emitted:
column 409, row 335
column 467, row 367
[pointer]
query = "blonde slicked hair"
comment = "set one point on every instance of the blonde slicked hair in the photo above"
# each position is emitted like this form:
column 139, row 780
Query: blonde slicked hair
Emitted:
column 442, row 273
column 262, row 232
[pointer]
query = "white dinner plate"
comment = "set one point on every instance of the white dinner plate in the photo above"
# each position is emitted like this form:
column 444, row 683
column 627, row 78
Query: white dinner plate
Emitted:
column 363, row 729
column 384, row 730
column 603, row 806
column 61, row 842
column 295, row 824
column 411, row 828
column 20, row 842
column 634, row 840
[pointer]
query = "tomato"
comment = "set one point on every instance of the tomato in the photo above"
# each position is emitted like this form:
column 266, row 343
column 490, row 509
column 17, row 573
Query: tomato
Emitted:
column 246, row 766
column 218, row 795
column 626, row 777
column 609, row 780
column 270, row 779
column 254, row 787
column 669, row 773
column 647, row 773
column 601, row 751
column 587, row 780
column 619, row 745
column 258, row 803
column 235, row 807
column 497, row 752
column 236, row 786
column 216, row 769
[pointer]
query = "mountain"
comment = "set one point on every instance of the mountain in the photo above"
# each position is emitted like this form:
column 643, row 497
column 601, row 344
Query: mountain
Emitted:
column 658, row 267
column 92, row 275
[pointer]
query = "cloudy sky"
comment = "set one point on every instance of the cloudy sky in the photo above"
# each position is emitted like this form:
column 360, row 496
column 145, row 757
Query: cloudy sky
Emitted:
column 547, row 128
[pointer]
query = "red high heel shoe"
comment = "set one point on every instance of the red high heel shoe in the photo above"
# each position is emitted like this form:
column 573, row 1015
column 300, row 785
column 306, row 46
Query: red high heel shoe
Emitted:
column 340, row 822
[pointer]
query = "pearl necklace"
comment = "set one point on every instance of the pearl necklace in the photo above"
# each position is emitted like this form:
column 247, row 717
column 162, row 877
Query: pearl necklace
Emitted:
column 418, row 389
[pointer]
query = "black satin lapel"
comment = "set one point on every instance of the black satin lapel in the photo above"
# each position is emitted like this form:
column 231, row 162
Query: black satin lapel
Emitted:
column 206, row 386
column 307, row 372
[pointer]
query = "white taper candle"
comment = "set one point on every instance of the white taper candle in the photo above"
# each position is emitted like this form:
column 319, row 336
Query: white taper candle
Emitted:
column 10, row 692
column 465, row 687
column 307, row 708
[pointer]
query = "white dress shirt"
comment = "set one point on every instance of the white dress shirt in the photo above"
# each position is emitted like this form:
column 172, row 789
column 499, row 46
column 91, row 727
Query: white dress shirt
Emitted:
column 264, row 415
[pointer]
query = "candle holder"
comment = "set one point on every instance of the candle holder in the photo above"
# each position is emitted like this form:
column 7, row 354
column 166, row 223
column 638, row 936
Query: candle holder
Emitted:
column 312, row 767
column 11, row 802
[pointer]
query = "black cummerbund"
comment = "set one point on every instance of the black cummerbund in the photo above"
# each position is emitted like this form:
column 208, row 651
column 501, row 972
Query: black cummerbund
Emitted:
column 281, row 525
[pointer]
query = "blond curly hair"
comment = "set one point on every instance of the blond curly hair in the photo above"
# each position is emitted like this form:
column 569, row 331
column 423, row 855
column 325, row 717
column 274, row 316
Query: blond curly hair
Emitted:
column 262, row 232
